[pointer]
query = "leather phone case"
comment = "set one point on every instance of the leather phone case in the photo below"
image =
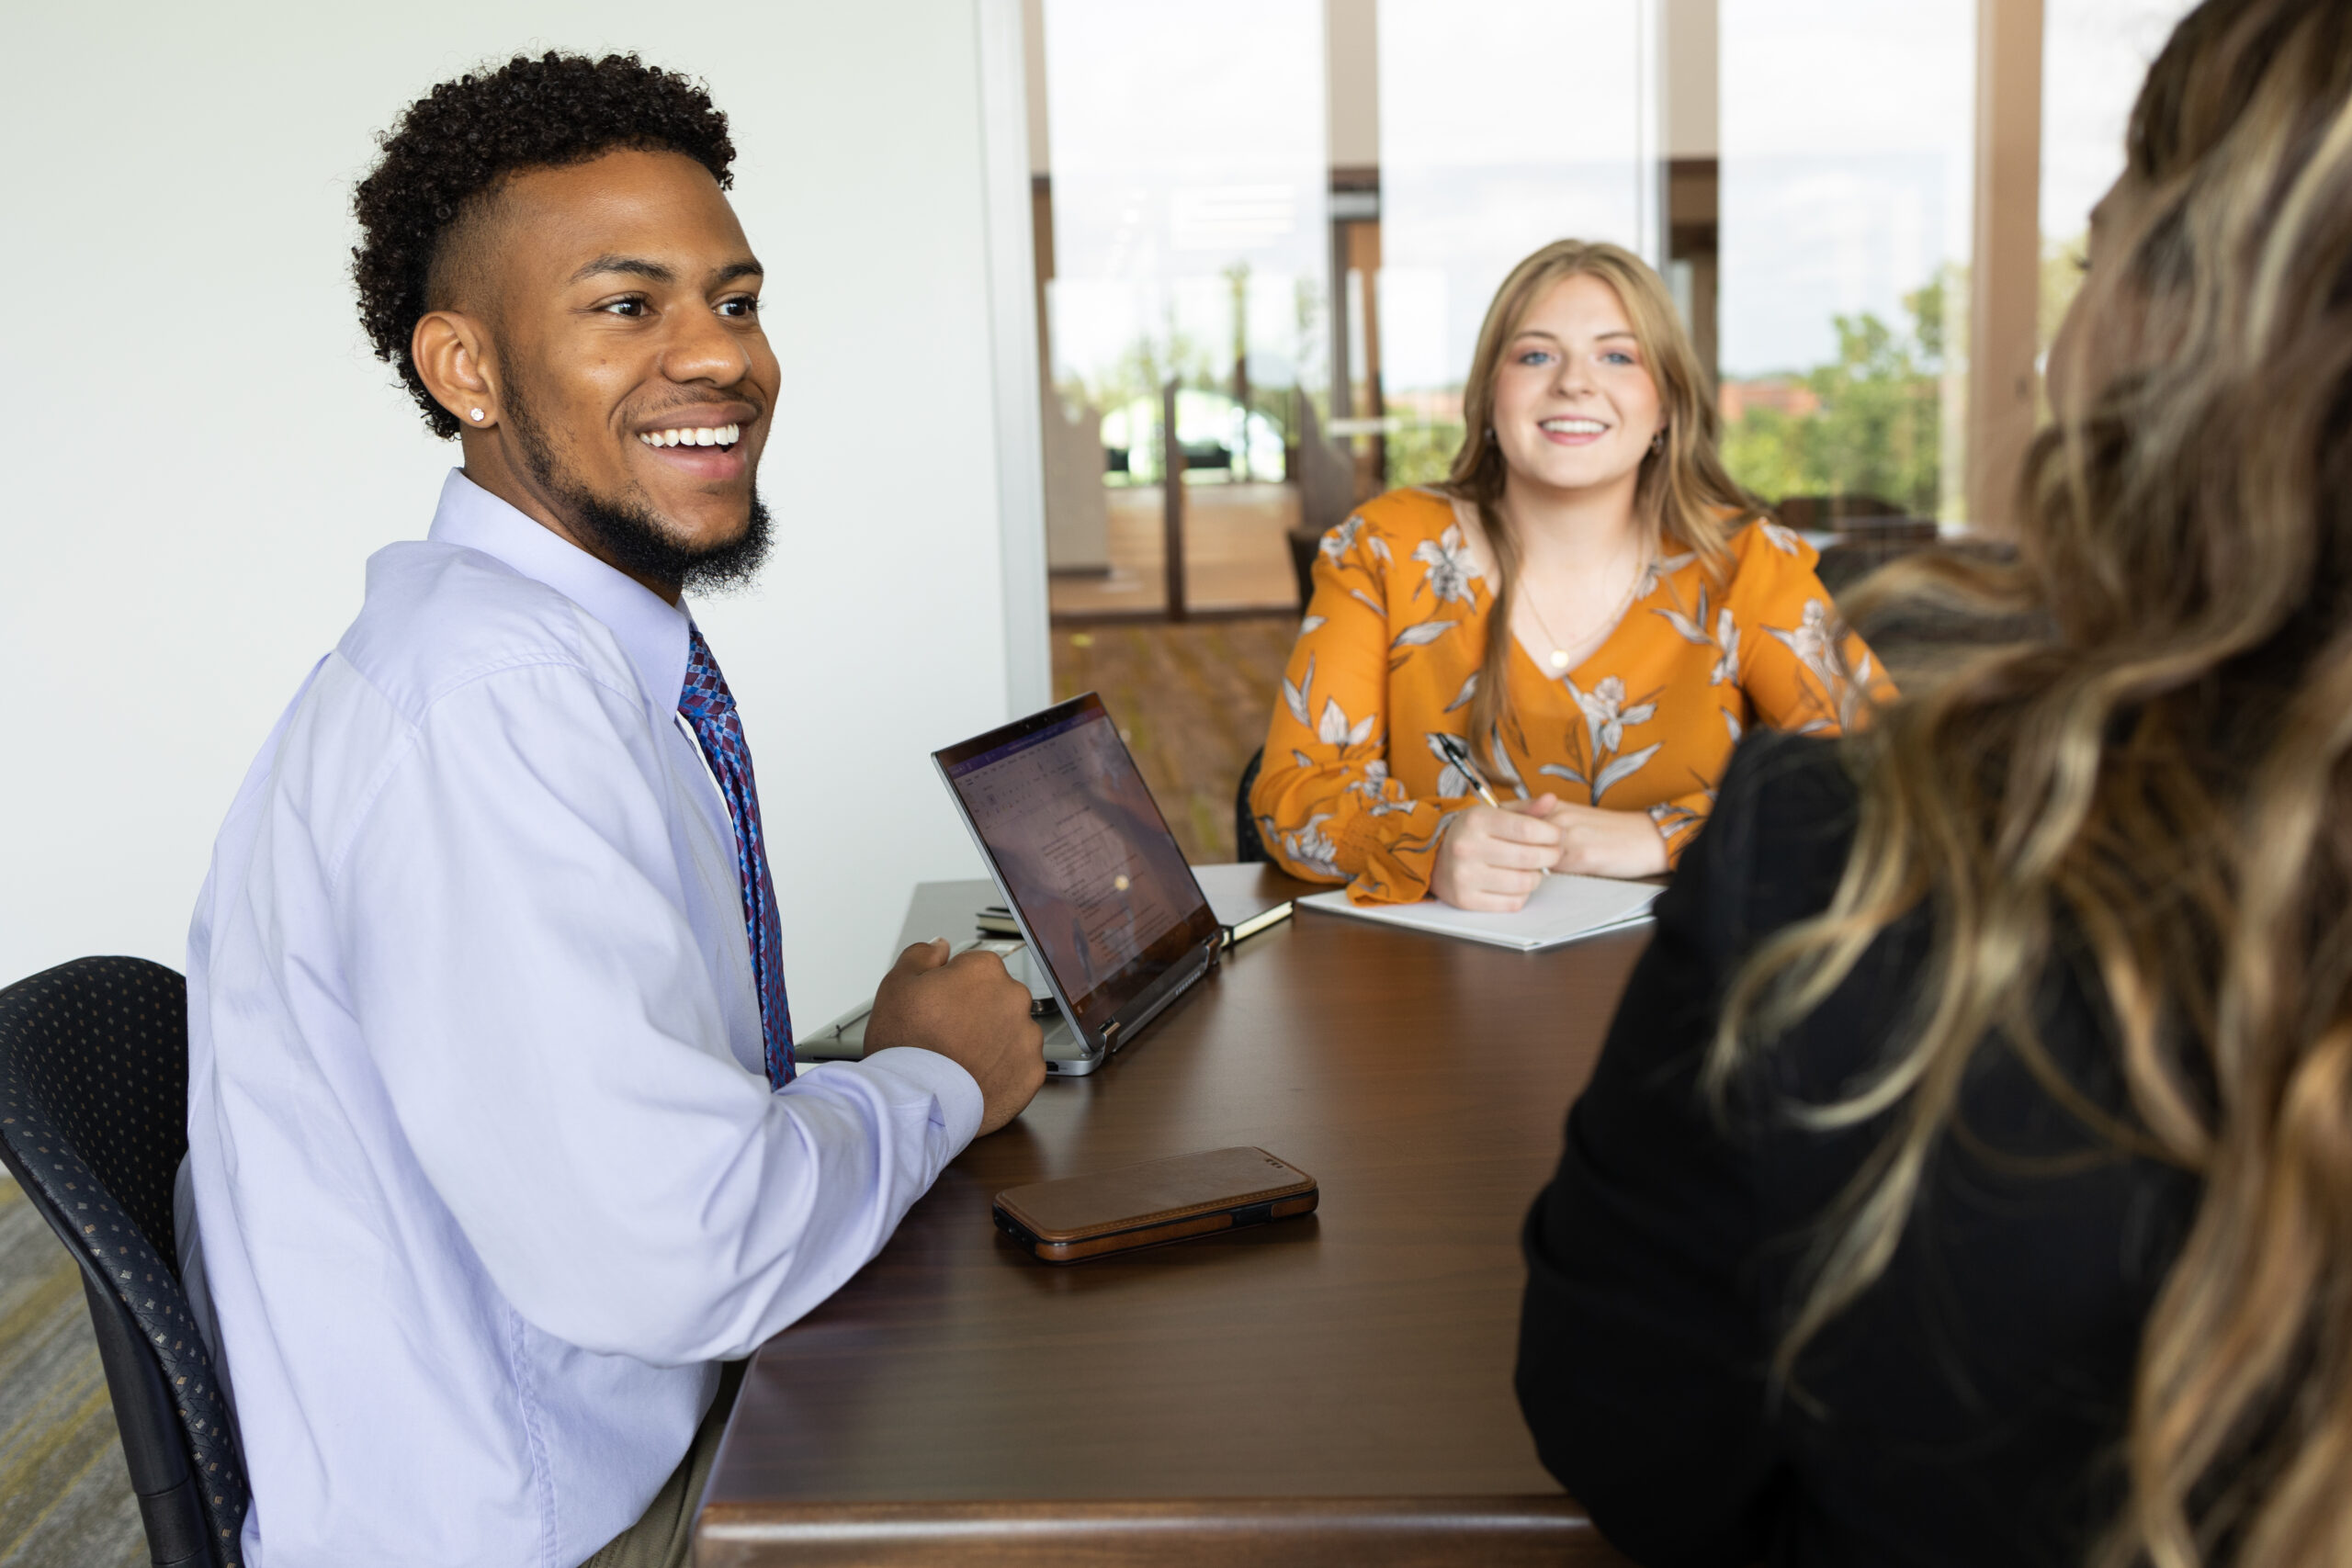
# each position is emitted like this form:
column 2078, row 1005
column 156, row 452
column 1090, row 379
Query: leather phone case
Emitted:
column 1080, row 1217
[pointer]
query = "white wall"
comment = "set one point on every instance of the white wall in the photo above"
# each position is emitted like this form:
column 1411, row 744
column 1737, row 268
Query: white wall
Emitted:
column 202, row 453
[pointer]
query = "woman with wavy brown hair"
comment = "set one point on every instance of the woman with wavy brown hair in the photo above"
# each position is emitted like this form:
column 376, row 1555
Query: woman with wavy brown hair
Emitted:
column 1972, row 1181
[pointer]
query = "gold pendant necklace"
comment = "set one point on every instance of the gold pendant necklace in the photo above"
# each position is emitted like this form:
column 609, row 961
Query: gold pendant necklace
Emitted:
column 1559, row 657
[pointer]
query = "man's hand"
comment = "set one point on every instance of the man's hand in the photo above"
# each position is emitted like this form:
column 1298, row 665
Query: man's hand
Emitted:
column 1492, row 858
column 971, row 1012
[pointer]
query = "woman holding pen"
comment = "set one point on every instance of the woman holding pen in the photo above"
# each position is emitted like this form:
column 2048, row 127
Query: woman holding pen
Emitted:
column 1589, row 607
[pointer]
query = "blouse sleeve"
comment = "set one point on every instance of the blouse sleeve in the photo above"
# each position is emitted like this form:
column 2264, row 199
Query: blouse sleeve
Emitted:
column 1678, row 821
column 1798, row 668
column 1801, row 668
column 1325, row 803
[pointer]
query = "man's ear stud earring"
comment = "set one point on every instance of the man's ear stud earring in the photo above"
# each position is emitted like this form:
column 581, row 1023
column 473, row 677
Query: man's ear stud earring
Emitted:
column 476, row 412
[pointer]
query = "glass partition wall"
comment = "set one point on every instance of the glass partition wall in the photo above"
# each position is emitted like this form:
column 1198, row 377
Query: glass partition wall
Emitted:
column 1185, row 306
column 2095, row 54
column 1503, row 126
column 1847, row 166
column 1268, row 230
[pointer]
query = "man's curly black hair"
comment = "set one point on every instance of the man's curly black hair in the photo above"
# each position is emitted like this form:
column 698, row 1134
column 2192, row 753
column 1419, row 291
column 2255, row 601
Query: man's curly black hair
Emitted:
column 454, row 145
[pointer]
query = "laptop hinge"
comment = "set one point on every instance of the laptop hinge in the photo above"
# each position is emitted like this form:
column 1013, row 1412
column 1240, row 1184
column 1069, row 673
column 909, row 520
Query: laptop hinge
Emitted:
column 1174, row 988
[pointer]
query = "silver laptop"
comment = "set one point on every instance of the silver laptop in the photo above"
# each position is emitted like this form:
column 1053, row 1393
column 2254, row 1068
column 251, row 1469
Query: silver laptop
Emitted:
column 1113, row 925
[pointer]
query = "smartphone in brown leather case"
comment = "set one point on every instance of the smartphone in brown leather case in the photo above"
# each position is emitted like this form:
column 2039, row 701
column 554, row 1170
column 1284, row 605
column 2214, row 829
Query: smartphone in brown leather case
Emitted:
column 1080, row 1217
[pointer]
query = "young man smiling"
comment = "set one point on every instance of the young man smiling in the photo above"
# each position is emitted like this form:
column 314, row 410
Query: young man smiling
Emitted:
column 496, row 1151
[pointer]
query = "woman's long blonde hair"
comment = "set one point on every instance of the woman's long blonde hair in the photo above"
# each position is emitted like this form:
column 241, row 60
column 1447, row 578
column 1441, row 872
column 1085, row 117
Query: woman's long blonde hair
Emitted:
column 1685, row 495
column 2162, row 769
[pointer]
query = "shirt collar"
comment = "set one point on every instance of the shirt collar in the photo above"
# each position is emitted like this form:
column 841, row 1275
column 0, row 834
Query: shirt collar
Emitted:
column 651, row 630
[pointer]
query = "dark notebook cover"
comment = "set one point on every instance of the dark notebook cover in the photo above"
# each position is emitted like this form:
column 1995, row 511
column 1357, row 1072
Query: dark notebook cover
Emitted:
column 1247, row 897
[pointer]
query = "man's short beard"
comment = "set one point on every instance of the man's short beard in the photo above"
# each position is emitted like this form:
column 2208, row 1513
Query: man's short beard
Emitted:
column 632, row 537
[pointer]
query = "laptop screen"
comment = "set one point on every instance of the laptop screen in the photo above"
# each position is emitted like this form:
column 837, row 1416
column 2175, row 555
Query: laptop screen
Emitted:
column 1083, row 852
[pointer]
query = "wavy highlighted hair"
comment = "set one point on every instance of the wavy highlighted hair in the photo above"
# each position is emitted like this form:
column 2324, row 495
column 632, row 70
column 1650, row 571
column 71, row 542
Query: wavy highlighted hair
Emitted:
column 2161, row 767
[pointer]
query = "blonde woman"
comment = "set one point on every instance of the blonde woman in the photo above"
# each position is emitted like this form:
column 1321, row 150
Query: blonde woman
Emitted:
column 2000, row 1210
column 1589, row 608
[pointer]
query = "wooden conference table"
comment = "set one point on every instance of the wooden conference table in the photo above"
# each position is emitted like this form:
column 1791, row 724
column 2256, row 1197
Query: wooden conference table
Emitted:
column 1333, row 1389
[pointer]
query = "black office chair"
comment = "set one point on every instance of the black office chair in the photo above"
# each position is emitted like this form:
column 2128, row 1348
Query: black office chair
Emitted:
column 1247, row 845
column 93, row 1126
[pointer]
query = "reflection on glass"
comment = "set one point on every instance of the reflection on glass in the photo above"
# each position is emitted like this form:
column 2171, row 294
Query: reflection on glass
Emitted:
column 2094, row 53
column 1503, row 126
column 1189, row 188
column 1847, row 167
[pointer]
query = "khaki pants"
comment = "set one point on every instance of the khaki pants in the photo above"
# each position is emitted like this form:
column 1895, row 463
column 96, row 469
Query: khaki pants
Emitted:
column 663, row 1535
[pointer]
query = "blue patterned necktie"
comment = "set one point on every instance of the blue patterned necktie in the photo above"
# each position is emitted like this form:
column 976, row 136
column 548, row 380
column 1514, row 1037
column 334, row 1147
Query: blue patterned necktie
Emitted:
column 709, row 707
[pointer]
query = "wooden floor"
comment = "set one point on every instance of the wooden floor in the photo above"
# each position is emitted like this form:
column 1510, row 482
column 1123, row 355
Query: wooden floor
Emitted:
column 1236, row 556
column 1192, row 700
column 65, row 1500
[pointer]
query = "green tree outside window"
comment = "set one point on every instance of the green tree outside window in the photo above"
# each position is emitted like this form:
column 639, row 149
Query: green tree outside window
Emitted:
column 1878, row 426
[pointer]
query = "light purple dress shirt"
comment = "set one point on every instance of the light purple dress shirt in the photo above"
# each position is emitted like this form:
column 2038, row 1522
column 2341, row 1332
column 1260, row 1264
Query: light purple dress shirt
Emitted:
column 483, row 1175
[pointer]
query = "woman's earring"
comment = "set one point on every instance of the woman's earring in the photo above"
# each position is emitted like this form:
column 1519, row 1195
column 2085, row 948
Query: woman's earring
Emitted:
column 1658, row 441
column 476, row 413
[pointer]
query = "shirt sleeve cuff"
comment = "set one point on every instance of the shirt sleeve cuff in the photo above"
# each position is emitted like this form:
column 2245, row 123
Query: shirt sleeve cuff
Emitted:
column 1396, row 851
column 953, row 1090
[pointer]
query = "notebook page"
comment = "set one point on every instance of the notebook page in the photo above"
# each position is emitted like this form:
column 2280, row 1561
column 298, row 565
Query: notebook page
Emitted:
column 1562, row 908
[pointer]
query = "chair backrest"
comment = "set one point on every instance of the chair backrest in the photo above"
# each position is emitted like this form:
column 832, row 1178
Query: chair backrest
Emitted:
column 1809, row 514
column 1248, row 846
column 93, row 1124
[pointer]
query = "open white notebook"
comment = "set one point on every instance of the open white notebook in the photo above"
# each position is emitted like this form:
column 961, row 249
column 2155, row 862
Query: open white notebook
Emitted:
column 1562, row 908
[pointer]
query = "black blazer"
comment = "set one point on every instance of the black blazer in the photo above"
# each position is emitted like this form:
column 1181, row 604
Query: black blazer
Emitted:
column 1970, row 1409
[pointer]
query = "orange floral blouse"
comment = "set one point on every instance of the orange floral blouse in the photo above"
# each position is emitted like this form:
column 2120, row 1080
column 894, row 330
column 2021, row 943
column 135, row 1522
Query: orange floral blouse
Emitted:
column 1354, row 788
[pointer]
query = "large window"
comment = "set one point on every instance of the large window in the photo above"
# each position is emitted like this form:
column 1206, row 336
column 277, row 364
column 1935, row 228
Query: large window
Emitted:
column 1187, row 188
column 1846, row 187
column 1503, row 126
column 1269, row 230
column 2095, row 54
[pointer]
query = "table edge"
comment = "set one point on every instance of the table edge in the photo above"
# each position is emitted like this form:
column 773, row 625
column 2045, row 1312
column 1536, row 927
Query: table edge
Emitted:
column 1541, row 1531
column 881, row 1523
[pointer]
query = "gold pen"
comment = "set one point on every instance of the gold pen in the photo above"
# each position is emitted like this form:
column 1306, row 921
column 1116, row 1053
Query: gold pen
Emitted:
column 1459, row 755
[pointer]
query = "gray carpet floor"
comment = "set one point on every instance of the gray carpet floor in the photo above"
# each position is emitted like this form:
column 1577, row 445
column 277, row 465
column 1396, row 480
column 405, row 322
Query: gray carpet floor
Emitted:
column 65, row 1498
